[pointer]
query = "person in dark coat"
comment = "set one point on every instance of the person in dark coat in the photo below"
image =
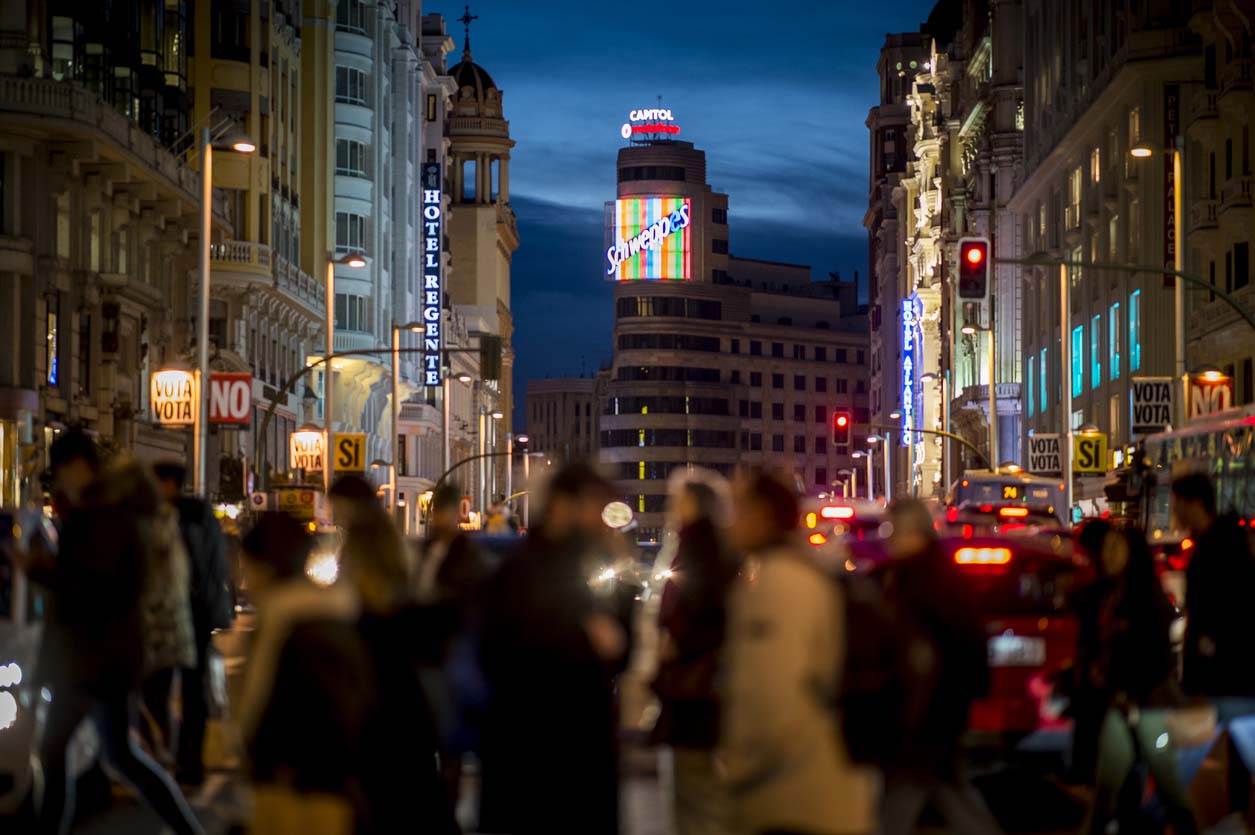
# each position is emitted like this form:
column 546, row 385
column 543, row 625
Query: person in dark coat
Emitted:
column 927, row 589
column 1087, row 704
column 691, row 622
column 551, row 650
column 212, row 595
column 1136, row 673
column 1220, row 627
column 92, row 654
column 308, row 687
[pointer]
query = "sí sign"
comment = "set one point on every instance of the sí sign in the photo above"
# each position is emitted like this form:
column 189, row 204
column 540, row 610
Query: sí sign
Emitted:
column 433, row 223
column 173, row 396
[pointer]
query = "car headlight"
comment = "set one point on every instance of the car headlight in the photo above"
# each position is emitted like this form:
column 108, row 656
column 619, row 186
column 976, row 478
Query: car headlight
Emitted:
column 323, row 568
column 10, row 674
column 8, row 710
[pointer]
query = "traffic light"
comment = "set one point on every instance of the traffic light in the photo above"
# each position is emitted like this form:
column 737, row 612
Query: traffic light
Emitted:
column 973, row 268
column 841, row 428
column 489, row 357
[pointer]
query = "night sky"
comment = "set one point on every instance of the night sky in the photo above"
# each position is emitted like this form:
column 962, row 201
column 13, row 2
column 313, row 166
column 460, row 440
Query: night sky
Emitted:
column 776, row 94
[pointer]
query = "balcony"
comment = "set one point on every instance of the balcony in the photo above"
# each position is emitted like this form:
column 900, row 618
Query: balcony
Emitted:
column 1235, row 78
column 240, row 261
column 1235, row 201
column 1201, row 112
column 299, row 289
column 1204, row 221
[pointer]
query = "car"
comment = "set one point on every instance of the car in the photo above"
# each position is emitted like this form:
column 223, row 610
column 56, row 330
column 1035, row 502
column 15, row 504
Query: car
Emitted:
column 845, row 530
column 1006, row 519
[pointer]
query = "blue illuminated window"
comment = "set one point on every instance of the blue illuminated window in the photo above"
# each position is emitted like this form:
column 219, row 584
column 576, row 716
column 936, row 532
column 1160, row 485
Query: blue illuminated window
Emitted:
column 1043, row 381
column 1095, row 352
column 1135, row 330
column 1078, row 360
column 1032, row 364
column 1113, row 340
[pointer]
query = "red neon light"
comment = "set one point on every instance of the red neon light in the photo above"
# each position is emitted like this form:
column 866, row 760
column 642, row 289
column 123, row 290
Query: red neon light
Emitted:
column 656, row 127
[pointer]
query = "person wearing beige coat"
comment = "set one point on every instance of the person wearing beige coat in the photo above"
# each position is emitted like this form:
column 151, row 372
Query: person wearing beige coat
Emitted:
column 780, row 745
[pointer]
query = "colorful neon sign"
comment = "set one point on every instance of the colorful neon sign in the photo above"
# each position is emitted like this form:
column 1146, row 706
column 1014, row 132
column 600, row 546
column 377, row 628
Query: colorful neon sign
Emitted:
column 433, row 220
column 910, row 360
column 650, row 239
column 651, row 121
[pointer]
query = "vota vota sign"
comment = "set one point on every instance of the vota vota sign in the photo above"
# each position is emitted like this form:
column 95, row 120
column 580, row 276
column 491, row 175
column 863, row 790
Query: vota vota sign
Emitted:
column 650, row 238
column 433, row 290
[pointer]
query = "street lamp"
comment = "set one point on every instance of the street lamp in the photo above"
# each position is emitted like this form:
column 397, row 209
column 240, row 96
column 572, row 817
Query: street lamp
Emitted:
column 200, row 430
column 1145, row 150
column 875, row 439
column 412, row 327
column 969, row 330
column 868, row 456
column 353, row 261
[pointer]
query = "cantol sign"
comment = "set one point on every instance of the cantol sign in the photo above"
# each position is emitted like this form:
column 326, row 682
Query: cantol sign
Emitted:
column 654, row 121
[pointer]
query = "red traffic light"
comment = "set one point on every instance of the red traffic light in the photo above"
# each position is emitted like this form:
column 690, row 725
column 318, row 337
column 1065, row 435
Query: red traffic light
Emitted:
column 842, row 420
column 975, row 255
column 841, row 428
column 973, row 275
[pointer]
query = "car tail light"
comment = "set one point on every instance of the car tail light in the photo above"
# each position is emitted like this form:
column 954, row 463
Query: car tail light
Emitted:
column 982, row 556
column 1187, row 544
column 986, row 508
column 817, row 538
column 952, row 514
column 1013, row 512
column 836, row 512
column 811, row 520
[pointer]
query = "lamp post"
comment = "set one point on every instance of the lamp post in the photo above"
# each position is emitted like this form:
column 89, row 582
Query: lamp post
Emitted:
column 1145, row 150
column 356, row 262
column 944, row 379
column 521, row 439
column 412, row 327
column 200, row 429
column 969, row 330
column 870, row 478
column 886, row 440
column 496, row 415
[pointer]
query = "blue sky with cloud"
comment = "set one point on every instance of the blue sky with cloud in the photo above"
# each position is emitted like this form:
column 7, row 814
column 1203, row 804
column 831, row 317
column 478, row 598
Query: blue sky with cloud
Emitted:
column 777, row 99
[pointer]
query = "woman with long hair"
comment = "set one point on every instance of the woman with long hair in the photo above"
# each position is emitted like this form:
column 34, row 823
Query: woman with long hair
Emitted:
column 1135, row 670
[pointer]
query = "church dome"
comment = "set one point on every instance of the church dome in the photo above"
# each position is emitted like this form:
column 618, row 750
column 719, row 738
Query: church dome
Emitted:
column 470, row 74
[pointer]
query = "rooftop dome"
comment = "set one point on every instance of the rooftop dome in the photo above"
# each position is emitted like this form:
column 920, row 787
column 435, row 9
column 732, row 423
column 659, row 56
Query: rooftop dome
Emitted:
column 470, row 74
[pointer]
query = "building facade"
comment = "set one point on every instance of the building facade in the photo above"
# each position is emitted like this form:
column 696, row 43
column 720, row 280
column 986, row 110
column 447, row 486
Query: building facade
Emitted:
column 1099, row 83
column 563, row 414
column 719, row 362
column 97, row 226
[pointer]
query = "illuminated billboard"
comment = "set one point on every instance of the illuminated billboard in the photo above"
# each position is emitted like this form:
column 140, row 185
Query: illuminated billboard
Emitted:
column 649, row 238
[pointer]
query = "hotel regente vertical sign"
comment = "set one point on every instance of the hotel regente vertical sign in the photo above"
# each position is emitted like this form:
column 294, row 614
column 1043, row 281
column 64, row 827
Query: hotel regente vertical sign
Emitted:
column 433, row 289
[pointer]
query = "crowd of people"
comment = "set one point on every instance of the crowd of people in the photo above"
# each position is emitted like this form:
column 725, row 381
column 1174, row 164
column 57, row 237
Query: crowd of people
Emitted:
column 795, row 698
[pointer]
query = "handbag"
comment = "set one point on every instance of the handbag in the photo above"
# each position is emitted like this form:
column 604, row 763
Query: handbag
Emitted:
column 215, row 683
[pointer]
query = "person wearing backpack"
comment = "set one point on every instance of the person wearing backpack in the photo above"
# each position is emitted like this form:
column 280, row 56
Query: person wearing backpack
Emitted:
column 933, row 605
column 212, row 597
column 780, row 748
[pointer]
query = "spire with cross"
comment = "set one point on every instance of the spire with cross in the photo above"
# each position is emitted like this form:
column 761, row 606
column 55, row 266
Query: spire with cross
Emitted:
column 466, row 20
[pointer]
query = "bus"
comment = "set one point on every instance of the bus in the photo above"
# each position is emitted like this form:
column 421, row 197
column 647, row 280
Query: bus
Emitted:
column 1222, row 446
column 1000, row 487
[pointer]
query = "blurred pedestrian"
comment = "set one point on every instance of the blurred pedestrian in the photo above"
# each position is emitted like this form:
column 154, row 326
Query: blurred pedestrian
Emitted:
column 552, row 648
column 691, row 621
column 926, row 588
column 308, row 689
column 212, row 597
column 93, row 649
column 450, row 575
column 402, row 777
column 352, row 497
column 169, row 639
column 781, row 748
column 1088, row 704
column 1220, row 625
column 1135, row 670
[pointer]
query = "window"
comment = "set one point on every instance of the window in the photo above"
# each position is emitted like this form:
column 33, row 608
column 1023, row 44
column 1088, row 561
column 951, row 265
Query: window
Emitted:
column 350, row 233
column 821, row 354
column 1113, row 341
column 1095, row 352
column 860, row 387
column 719, row 246
column 756, row 348
column 1072, row 212
column 777, row 443
column 777, row 411
column 719, row 216
column 821, row 414
column 799, row 443
column 651, row 172
column 85, row 352
column 821, row 477
column 799, row 382
column 821, row 445
column 777, row 381
column 743, row 408
column 351, row 16
column 756, row 410
column 1031, row 379
column 842, row 355
column 799, row 412
column 1135, row 330
column 1113, row 238
column 351, row 312
column 51, row 336
column 843, row 386
column 1241, row 265
column 432, row 112
column 777, row 350
column 736, row 346
column 1248, row 379
column 402, row 455
column 350, row 85
column 736, row 376
column 1042, row 381
column 821, row 384
column 350, row 158
column 719, row 276
column 799, row 351
column 1135, row 125
column 756, row 441
column 756, row 379
column 861, row 358
column 1095, row 165
column 1078, row 360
